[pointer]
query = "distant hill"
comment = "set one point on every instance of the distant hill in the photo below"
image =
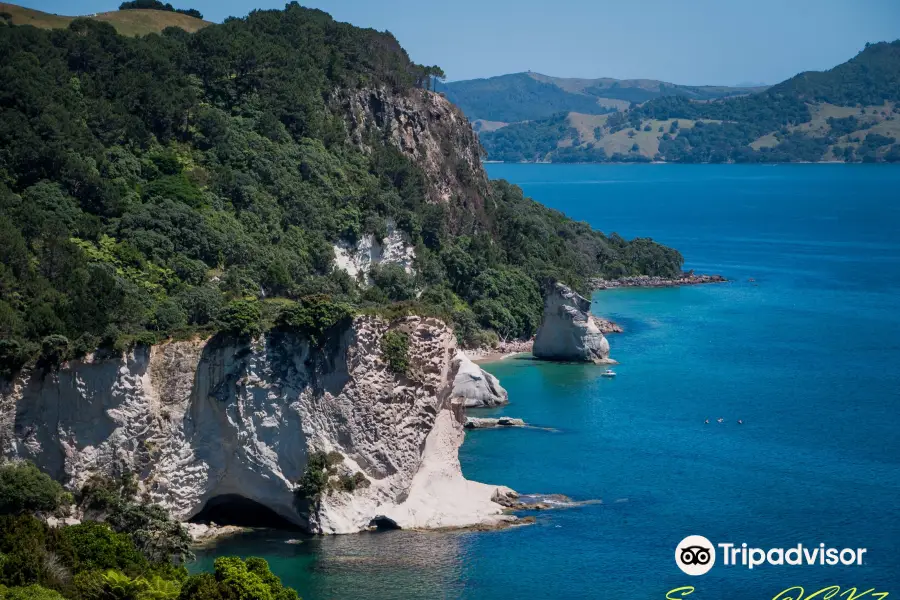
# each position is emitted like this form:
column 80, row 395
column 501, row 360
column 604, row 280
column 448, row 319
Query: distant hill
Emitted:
column 127, row 22
column 530, row 96
column 849, row 113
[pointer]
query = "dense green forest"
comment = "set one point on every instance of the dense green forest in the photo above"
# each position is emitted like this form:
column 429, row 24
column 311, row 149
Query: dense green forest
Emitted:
column 869, row 79
column 121, row 550
column 177, row 184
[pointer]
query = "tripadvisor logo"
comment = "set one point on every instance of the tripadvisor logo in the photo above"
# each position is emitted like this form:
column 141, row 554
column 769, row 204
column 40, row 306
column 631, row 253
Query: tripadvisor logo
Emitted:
column 696, row 555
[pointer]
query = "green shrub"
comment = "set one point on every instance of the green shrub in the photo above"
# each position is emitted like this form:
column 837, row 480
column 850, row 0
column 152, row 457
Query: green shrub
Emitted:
column 159, row 537
column 31, row 592
column 333, row 459
column 351, row 483
column 169, row 316
column 242, row 318
column 54, row 350
column 97, row 546
column 201, row 304
column 23, row 541
column 246, row 580
column 314, row 316
column 89, row 585
column 393, row 280
column 14, row 354
column 315, row 477
column 395, row 348
column 24, row 488
column 201, row 587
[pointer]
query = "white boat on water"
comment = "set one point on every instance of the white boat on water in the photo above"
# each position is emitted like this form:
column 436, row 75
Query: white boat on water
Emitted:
column 608, row 373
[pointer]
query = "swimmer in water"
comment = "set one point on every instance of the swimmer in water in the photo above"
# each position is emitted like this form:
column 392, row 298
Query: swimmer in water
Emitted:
column 740, row 422
column 706, row 422
column 720, row 420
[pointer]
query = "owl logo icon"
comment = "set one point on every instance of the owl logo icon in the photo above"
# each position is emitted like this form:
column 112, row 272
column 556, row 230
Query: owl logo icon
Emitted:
column 695, row 555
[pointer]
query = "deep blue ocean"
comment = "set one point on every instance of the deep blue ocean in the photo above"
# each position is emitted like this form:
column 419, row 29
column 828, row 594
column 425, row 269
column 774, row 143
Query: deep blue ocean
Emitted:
column 807, row 355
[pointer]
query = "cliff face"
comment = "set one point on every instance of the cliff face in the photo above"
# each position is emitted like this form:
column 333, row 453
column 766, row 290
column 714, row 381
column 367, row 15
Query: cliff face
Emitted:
column 568, row 332
column 427, row 128
column 357, row 259
column 203, row 420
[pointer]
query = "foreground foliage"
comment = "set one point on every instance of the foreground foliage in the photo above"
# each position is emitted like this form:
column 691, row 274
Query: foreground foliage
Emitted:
column 135, row 552
column 23, row 488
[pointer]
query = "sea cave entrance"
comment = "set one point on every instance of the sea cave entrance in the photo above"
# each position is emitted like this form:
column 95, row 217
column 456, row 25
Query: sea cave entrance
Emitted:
column 234, row 509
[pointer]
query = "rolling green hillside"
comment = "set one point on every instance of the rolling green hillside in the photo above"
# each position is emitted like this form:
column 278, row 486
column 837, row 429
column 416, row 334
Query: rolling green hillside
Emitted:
column 530, row 96
column 126, row 22
column 849, row 113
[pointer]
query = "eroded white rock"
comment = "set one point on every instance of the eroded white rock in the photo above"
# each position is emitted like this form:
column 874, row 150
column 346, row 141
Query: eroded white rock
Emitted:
column 475, row 386
column 357, row 259
column 201, row 419
column 568, row 332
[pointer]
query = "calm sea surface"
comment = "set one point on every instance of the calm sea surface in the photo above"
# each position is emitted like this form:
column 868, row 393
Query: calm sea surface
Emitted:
column 807, row 355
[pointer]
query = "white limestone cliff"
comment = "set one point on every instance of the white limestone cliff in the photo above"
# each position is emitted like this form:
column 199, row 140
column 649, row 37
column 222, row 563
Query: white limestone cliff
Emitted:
column 568, row 332
column 475, row 386
column 199, row 420
column 357, row 259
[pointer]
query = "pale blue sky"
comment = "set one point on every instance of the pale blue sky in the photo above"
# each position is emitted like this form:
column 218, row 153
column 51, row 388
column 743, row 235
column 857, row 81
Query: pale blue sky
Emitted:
column 682, row 41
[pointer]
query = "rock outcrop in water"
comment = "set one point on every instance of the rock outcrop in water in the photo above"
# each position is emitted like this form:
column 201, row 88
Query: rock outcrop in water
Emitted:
column 568, row 332
column 203, row 421
column 491, row 423
column 475, row 386
column 645, row 281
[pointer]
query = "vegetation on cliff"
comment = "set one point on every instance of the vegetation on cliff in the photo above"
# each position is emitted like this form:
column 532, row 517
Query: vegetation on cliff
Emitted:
column 181, row 183
column 122, row 549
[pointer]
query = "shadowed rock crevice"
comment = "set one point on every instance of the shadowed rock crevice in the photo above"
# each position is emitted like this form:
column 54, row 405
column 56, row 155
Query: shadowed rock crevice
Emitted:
column 382, row 523
column 234, row 509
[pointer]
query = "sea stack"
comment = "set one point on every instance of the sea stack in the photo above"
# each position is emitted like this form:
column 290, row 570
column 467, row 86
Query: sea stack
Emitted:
column 568, row 332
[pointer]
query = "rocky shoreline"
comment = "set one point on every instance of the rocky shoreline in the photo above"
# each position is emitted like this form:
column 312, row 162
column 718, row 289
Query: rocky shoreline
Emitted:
column 500, row 351
column 204, row 534
column 645, row 281
column 606, row 326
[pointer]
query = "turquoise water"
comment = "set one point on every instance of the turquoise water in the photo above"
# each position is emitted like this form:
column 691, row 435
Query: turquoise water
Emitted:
column 807, row 355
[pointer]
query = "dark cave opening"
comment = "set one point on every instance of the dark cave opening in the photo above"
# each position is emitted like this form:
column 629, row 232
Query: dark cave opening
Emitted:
column 382, row 523
column 234, row 509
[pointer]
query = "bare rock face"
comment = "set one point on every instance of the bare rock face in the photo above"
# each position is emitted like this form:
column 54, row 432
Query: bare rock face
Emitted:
column 430, row 130
column 357, row 259
column 475, row 386
column 221, row 418
column 568, row 332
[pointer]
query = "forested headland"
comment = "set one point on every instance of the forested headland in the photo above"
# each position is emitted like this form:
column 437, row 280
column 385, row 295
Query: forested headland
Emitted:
column 184, row 184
